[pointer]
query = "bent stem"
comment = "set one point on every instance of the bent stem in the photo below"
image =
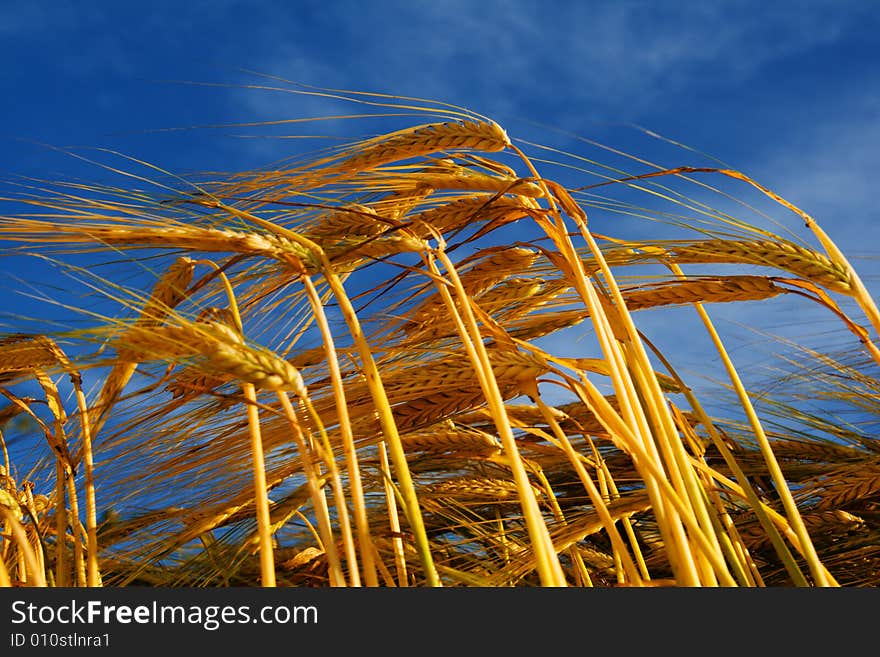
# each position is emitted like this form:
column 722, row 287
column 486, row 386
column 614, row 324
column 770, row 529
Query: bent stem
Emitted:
column 25, row 550
column 622, row 436
column 820, row 575
column 261, row 493
column 389, row 428
column 354, row 477
column 748, row 490
column 93, row 575
column 338, row 494
column 374, row 383
column 599, row 505
column 316, row 492
column 393, row 519
column 547, row 561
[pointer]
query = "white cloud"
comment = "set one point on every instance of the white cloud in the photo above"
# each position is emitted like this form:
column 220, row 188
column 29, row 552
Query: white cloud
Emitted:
column 577, row 58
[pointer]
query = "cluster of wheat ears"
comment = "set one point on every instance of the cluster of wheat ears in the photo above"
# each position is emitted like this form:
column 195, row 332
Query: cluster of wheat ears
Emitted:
column 342, row 373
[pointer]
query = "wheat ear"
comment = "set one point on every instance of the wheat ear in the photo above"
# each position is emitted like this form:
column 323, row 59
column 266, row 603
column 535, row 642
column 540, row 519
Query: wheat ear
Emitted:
column 218, row 350
column 477, row 489
column 796, row 259
column 468, row 211
column 25, row 353
column 423, row 140
column 168, row 292
column 702, row 290
column 447, row 437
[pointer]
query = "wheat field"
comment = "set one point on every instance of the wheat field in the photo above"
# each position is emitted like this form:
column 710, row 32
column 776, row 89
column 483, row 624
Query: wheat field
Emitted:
column 356, row 367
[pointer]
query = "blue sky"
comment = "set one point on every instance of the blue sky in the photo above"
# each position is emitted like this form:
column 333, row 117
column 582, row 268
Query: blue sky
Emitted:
column 788, row 93
column 754, row 86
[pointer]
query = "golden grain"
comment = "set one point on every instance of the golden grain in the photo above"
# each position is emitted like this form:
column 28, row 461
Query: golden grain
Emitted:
column 24, row 353
column 447, row 437
column 424, row 140
column 793, row 258
column 702, row 290
column 476, row 489
column 473, row 210
column 219, row 350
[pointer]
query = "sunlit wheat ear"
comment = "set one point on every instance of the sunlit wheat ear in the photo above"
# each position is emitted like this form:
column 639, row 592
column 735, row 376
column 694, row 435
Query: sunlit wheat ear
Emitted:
column 520, row 415
column 423, row 140
column 833, row 521
column 195, row 238
column 511, row 297
column 443, row 388
column 379, row 247
column 847, row 484
column 192, row 381
column 506, row 301
column 473, row 210
column 539, row 325
column 475, row 489
column 400, row 202
column 217, row 350
column 832, row 524
column 460, row 178
column 438, row 406
column 24, row 353
column 169, row 291
column 702, row 290
column 355, row 219
column 706, row 289
column 803, row 450
column 447, row 437
column 495, row 265
column 798, row 260
column 517, row 365
column 577, row 417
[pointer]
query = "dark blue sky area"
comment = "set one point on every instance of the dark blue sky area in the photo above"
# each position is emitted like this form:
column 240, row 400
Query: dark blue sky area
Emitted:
column 746, row 83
